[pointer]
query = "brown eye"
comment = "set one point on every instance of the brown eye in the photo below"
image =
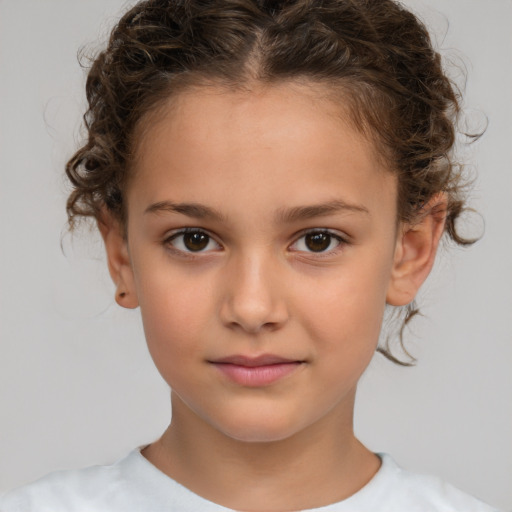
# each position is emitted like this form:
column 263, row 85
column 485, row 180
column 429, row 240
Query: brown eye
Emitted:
column 195, row 241
column 189, row 241
column 318, row 242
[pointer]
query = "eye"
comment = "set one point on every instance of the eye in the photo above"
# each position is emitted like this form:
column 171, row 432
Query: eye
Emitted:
column 192, row 240
column 318, row 241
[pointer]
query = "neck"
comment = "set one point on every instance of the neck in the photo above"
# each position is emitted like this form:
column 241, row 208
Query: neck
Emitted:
column 319, row 465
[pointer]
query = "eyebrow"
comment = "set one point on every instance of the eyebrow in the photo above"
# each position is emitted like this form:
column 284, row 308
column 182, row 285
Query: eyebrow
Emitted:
column 196, row 210
column 289, row 215
column 319, row 210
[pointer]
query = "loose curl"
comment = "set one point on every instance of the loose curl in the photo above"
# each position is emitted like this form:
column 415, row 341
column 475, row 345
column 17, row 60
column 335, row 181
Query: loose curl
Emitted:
column 375, row 52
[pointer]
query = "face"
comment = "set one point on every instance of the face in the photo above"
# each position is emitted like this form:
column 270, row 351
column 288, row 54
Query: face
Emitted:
column 261, row 238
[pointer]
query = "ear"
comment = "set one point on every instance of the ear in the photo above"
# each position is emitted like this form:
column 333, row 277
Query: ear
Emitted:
column 118, row 258
column 415, row 252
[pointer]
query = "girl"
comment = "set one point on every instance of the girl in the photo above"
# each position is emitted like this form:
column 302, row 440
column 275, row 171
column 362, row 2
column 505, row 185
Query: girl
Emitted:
column 267, row 177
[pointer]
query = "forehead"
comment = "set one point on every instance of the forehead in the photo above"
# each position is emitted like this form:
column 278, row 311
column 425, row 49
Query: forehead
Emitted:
column 286, row 135
column 209, row 103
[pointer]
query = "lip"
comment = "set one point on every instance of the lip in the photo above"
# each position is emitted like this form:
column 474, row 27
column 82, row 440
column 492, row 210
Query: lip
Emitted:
column 256, row 371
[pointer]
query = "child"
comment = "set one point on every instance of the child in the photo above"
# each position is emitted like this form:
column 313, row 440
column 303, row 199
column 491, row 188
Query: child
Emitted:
column 267, row 177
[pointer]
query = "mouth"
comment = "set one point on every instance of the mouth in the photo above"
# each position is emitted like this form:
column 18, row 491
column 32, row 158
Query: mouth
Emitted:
column 256, row 371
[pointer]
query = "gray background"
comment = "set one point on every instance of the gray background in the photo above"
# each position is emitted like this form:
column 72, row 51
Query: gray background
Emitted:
column 77, row 386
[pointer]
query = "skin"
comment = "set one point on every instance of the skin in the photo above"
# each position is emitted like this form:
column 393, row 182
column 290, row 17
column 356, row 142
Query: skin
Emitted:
column 256, row 158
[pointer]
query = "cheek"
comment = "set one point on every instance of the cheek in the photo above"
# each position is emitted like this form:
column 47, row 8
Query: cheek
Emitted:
column 175, row 314
column 345, row 313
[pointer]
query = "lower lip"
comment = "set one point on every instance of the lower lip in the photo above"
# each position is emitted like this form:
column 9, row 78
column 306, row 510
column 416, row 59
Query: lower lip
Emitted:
column 257, row 376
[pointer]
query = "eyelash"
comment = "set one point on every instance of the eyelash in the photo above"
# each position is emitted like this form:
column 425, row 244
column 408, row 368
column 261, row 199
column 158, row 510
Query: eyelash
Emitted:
column 341, row 241
column 188, row 231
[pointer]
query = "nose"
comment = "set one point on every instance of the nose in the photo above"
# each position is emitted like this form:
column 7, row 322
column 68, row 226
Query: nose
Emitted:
column 254, row 298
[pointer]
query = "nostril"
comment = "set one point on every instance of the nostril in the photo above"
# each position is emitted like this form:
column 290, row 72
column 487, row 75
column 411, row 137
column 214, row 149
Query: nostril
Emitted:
column 253, row 317
column 252, row 299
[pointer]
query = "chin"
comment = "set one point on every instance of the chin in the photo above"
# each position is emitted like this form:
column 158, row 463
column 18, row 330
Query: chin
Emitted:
column 258, row 430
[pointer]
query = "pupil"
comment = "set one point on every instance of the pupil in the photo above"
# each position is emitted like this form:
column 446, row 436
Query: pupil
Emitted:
column 318, row 242
column 195, row 241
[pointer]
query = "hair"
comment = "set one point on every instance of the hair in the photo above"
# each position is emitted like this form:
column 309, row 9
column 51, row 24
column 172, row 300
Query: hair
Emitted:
column 375, row 52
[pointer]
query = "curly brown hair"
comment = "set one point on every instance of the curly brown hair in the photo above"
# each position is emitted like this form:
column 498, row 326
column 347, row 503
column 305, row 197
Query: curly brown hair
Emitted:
column 375, row 52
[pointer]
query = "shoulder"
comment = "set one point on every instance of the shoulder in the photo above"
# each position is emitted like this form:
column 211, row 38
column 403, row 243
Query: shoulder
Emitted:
column 70, row 491
column 131, row 484
column 395, row 489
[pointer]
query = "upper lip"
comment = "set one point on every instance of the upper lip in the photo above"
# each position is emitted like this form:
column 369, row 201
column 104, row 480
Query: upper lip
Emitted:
column 263, row 360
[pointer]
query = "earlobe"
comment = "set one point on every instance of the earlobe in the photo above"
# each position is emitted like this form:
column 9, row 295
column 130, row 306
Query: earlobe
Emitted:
column 118, row 259
column 415, row 252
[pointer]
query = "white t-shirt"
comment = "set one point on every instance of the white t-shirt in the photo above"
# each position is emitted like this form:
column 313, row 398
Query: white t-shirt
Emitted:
column 133, row 484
